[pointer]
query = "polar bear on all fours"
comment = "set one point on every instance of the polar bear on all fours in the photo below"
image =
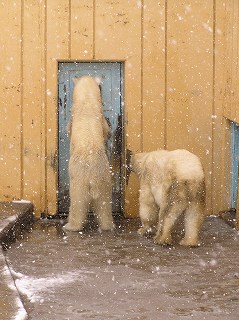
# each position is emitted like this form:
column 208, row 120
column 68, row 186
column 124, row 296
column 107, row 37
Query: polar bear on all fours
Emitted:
column 89, row 170
column 171, row 184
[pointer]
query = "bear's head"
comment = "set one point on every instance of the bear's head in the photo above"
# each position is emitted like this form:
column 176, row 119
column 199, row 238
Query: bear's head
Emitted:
column 86, row 86
column 137, row 162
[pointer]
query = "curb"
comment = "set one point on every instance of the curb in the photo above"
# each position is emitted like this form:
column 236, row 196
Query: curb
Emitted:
column 15, row 218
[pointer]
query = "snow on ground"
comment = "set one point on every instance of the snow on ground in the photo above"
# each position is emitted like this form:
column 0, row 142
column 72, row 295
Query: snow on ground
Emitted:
column 21, row 201
column 21, row 313
column 37, row 288
column 6, row 221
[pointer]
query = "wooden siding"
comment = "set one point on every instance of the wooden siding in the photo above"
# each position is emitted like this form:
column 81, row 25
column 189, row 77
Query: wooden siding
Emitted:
column 11, row 72
column 231, row 98
column 177, row 82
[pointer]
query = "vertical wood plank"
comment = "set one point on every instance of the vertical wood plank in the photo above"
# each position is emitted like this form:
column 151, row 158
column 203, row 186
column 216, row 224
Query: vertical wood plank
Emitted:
column 234, row 62
column 221, row 163
column 10, row 97
column 228, row 58
column 82, row 29
column 118, row 37
column 153, row 75
column 57, row 48
column 33, row 51
column 190, row 80
column 43, row 185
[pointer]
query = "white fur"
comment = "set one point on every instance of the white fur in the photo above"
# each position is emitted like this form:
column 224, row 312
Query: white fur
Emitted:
column 171, row 183
column 98, row 80
column 89, row 171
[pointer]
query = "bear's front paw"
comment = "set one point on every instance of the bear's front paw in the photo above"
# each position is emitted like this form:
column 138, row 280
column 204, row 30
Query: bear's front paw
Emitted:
column 189, row 243
column 145, row 231
column 163, row 240
column 71, row 227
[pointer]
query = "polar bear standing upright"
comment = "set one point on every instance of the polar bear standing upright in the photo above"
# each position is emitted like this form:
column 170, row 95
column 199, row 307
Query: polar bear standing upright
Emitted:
column 171, row 184
column 89, row 171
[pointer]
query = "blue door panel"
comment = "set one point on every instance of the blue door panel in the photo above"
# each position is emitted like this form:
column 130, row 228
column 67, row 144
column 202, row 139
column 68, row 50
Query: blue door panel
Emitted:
column 234, row 162
column 112, row 94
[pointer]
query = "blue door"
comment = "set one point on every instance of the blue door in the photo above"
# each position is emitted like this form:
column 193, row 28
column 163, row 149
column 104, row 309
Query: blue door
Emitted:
column 234, row 163
column 112, row 99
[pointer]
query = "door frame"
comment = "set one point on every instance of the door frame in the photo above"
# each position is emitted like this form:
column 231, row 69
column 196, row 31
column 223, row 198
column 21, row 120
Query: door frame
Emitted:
column 122, row 113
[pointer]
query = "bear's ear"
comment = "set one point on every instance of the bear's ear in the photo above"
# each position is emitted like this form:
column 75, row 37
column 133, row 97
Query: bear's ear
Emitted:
column 74, row 80
column 138, row 160
column 134, row 164
column 98, row 80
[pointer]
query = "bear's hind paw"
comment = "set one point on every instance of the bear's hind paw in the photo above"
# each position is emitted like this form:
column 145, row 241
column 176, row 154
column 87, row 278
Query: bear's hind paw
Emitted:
column 70, row 227
column 107, row 227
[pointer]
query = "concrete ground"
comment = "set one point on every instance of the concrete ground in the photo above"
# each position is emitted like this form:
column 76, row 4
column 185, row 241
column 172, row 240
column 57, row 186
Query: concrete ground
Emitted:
column 120, row 275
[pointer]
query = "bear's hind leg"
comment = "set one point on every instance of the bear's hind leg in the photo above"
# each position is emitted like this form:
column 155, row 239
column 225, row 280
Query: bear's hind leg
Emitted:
column 148, row 212
column 194, row 217
column 148, row 215
column 169, row 218
column 103, row 210
column 78, row 208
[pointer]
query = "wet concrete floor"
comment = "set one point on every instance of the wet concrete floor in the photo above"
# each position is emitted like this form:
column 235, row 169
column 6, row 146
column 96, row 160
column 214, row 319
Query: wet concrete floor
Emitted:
column 120, row 275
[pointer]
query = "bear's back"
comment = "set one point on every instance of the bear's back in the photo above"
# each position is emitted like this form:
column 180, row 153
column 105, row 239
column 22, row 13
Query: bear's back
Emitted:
column 186, row 165
column 87, row 116
column 181, row 164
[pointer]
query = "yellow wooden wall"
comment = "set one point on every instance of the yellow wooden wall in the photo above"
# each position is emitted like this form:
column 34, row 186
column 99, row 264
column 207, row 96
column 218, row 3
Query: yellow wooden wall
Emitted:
column 175, row 84
column 231, row 99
